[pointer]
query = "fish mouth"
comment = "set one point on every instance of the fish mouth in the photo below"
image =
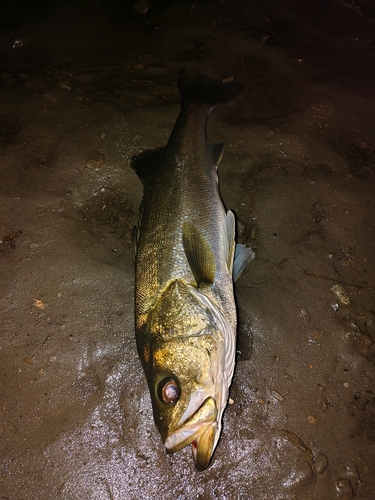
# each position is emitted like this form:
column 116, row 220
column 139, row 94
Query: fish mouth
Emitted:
column 201, row 431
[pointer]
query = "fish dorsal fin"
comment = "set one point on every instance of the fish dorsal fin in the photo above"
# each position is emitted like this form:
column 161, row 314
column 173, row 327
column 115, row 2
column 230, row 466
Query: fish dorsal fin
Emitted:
column 146, row 163
column 199, row 254
column 229, row 243
column 242, row 256
column 217, row 151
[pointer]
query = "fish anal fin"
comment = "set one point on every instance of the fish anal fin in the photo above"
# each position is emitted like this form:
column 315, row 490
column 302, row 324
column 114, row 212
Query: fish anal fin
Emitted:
column 199, row 254
column 217, row 150
column 242, row 257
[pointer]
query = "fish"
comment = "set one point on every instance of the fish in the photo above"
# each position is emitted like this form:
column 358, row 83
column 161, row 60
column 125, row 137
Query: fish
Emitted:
column 186, row 261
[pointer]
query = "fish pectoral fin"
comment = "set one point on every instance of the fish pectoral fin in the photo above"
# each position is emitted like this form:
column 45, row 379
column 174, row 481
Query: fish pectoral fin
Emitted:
column 199, row 254
column 242, row 257
column 229, row 242
column 217, row 151
column 146, row 163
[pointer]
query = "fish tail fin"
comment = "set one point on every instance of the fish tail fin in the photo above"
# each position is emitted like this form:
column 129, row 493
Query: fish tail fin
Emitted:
column 197, row 88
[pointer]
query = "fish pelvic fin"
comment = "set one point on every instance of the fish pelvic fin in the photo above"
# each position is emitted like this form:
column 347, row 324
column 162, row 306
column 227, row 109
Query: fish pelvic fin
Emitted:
column 197, row 88
column 199, row 254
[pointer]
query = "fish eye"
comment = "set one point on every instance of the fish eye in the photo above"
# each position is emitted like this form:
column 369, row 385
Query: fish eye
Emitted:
column 168, row 391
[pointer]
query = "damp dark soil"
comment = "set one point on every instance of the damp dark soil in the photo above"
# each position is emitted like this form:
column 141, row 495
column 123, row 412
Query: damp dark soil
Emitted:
column 85, row 86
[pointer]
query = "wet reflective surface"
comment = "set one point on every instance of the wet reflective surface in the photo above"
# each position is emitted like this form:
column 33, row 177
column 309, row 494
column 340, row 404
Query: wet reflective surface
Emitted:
column 85, row 87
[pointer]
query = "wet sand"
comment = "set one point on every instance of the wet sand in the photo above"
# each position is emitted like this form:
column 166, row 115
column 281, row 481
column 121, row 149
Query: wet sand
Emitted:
column 85, row 86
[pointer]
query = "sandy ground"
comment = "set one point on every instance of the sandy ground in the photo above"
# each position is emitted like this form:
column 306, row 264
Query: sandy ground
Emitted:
column 85, row 86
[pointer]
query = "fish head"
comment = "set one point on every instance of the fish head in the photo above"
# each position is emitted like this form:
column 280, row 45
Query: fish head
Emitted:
column 185, row 398
column 186, row 364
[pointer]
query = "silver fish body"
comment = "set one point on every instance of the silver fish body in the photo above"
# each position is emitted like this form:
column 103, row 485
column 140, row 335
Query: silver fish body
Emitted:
column 186, row 260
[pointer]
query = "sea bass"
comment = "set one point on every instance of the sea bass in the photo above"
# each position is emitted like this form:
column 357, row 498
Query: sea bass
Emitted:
column 186, row 261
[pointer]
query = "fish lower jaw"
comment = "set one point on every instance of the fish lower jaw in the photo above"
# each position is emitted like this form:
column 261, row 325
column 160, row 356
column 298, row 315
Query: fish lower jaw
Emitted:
column 202, row 430
column 202, row 437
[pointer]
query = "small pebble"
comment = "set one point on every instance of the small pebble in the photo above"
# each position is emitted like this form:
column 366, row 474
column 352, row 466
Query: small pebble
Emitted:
column 64, row 83
column 341, row 294
column 38, row 303
column 246, row 434
column 277, row 396
column 142, row 6
column 298, row 443
column 18, row 42
column 95, row 160
column 363, row 341
column 304, row 314
column 49, row 97
column 344, row 489
column 241, row 227
column 320, row 464
column 312, row 419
